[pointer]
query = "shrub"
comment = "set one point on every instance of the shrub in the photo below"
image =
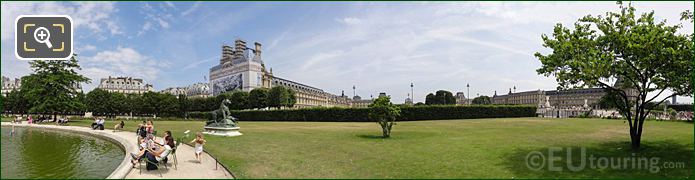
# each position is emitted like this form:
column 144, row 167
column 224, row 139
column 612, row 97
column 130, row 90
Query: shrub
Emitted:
column 409, row 113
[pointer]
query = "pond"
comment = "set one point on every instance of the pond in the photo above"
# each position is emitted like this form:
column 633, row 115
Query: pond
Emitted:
column 42, row 153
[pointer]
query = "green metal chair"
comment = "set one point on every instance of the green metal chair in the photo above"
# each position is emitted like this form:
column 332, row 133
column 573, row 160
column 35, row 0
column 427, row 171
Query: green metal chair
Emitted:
column 173, row 153
column 159, row 169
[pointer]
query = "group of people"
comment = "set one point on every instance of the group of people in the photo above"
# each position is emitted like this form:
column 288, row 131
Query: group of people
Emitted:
column 62, row 120
column 155, row 149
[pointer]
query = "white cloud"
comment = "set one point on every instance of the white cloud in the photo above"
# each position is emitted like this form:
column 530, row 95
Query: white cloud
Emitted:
column 159, row 15
column 170, row 4
column 121, row 62
column 94, row 16
column 193, row 8
column 435, row 45
column 349, row 20
column 86, row 48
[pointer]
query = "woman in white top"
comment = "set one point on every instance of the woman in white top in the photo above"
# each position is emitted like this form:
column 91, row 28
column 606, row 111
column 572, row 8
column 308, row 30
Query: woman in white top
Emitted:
column 199, row 142
column 153, row 155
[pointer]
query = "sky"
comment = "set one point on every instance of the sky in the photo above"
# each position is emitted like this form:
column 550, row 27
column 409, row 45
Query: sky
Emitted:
column 375, row 46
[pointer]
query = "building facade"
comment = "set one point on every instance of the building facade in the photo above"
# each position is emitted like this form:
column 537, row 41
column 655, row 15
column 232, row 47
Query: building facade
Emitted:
column 9, row 85
column 198, row 90
column 461, row 99
column 127, row 85
column 562, row 99
column 176, row 91
column 242, row 68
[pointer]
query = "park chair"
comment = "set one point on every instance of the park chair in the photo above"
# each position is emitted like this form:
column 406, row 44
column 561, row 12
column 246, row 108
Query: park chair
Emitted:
column 173, row 153
column 146, row 161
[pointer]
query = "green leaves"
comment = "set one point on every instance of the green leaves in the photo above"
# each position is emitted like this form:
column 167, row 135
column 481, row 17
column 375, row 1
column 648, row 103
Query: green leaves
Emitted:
column 645, row 56
column 52, row 88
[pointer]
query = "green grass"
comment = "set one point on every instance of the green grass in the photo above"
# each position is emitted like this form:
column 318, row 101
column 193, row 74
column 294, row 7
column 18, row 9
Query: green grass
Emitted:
column 477, row 148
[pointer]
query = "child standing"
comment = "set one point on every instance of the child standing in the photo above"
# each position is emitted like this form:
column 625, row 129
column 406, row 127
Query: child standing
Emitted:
column 199, row 142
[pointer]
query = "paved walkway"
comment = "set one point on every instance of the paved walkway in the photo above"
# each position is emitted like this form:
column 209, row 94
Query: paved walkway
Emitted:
column 187, row 166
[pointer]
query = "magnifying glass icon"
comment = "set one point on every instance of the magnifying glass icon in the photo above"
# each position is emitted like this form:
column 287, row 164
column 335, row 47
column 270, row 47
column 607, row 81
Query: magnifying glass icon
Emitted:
column 42, row 35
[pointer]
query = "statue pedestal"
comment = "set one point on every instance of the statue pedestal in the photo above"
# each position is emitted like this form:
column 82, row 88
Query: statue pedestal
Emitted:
column 222, row 131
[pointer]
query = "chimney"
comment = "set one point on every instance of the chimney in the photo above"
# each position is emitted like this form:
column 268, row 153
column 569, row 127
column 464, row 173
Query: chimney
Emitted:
column 257, row 48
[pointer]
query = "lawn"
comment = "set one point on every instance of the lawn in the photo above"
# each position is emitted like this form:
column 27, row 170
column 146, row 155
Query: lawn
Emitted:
column 476, row 148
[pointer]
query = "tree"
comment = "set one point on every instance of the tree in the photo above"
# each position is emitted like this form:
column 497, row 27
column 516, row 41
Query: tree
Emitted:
column 445, row 97
column 258, row 98
column 168, row 105
column 278, row 96
column 385, row 113
column 645, row 56
column 439, row 98
column 50, row 88
column 183, row 105
column 240, row 100
column 98, row 101
column 16, row 103
column 430, row 99
column 118, row 104
column 292, row 98
column 482, row 100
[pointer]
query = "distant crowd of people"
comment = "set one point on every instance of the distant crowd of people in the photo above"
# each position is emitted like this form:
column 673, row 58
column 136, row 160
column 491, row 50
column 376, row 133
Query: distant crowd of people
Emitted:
column 61, row 120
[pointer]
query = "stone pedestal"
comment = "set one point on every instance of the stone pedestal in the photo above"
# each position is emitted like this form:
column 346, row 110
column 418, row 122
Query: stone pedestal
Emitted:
column 222, row 131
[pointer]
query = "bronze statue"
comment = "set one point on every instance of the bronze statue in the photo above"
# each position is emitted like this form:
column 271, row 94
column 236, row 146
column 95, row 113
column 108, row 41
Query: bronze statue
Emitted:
column 226, row 119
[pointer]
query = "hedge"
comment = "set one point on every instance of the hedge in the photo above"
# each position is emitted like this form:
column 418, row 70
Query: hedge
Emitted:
column 681, row 107
column 409, row 113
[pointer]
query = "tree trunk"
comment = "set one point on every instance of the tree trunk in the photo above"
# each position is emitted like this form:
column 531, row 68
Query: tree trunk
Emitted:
column 635, row 139
column 384, row 128
column 55, row 116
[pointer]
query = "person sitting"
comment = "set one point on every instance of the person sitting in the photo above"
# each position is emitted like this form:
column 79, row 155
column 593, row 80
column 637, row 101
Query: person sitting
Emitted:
column 152, row 154
column 98, row 124
column 118, row 126
column 141, row 132
column 18, row 119
column 149, row 127
column 94, row 124
column 60, row 120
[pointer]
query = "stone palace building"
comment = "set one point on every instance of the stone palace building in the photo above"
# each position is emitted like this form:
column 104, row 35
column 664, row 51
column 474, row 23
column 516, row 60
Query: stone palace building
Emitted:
column 127, row 85
column 242, row 68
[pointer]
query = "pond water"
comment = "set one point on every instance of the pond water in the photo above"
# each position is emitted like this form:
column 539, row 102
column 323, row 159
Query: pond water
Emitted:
column 42, row 153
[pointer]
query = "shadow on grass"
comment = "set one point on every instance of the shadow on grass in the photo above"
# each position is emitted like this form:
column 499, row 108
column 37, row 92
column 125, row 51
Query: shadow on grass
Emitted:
column 656, row 159
column 371, row 136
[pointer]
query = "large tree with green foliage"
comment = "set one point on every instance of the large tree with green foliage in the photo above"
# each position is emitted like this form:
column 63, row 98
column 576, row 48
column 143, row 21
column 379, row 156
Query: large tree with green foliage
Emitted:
column 98, row 101
column 292, row 98
column 258, row 98
column 385, row 113
column 51, row 87
column 440, row 97
column 482, row 100
column 239, row 100
column 16, row 103
column 277, row 97
column 647, row 56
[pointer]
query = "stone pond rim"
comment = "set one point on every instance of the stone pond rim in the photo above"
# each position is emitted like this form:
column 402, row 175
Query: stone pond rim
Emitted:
column 123, row 168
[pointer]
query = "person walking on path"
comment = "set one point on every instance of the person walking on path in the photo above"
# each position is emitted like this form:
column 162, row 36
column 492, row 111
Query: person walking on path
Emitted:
column 199, row 142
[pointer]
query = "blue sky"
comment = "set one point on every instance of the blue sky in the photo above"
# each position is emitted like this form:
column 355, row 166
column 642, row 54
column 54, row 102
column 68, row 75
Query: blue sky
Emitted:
column 377, row 46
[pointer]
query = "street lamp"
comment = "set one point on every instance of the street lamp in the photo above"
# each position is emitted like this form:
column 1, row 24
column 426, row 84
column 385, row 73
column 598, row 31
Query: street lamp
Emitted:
column 412, row 96
column 468, row 88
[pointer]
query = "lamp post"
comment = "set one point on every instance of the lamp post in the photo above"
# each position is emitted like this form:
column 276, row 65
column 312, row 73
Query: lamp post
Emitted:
column 412, row 96
column 468, row 88
column 353, row 91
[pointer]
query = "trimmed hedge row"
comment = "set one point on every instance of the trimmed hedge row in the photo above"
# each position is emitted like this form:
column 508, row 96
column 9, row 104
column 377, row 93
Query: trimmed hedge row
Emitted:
column 409, row 113
column 681, row 107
